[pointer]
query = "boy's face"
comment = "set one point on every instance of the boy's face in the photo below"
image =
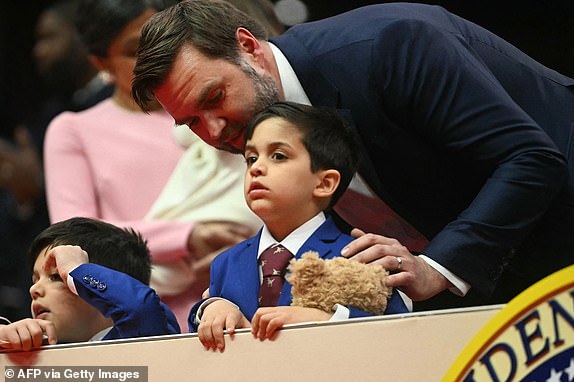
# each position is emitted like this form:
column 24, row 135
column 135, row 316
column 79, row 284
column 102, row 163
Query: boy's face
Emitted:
column 75, row 320
column 279, row 183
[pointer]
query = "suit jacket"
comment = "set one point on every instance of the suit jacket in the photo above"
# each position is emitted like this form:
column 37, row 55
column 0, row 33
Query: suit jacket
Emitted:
column 467, row 138
column 134, row 307
column 235, row 273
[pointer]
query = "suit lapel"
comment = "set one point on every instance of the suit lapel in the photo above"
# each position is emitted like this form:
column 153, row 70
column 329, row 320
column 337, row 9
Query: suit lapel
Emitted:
column 320, row 241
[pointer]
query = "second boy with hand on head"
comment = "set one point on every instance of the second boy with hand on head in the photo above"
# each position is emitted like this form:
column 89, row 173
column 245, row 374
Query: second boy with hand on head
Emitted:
column 300, row 160
column 90, row 283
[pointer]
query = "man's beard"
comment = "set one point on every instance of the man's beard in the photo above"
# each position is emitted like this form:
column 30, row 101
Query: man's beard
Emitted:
column 266, row 90
column 266, row 94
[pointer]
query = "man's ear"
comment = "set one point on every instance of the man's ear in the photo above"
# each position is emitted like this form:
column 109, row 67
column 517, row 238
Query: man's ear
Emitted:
column 249, row 45
column 247, row 42
column 328, row 183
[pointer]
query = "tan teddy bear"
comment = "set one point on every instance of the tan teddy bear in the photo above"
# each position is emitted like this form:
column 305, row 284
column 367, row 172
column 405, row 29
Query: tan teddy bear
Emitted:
column 321, row 284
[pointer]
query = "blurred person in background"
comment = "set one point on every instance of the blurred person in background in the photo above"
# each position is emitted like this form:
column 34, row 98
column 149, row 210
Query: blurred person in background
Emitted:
column 263, row 12
column 67, row 81
column 118, row 164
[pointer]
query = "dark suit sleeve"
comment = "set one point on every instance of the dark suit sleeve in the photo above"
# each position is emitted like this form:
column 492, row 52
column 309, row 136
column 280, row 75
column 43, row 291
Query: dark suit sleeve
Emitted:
column 134, row 307
column 435, row 84
column 192, row 325
column 395, row 305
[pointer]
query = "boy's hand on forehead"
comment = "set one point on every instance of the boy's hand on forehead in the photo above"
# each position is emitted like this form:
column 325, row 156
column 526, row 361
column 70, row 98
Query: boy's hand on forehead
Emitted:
column 65, row 258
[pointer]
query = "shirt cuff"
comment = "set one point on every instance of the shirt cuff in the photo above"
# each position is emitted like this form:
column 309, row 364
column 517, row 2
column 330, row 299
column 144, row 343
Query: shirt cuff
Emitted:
column 70, row 282
column 340, row 313
column 406, row 300
column 459, row 286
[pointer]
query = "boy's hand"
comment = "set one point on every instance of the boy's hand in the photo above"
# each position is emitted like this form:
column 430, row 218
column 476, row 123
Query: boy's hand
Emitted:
column 219, row 316
column 267, row 321
column 27, row 334
column 65, row 258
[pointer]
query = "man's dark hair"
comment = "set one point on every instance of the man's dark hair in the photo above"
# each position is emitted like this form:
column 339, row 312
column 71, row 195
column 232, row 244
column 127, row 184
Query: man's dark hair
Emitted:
column 207, row 25
column 123, row 250
column 328, row 138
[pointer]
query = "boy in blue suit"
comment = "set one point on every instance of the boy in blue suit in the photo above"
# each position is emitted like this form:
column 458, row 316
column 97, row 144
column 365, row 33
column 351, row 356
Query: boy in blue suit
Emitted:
column 90, row 282
column 300, row 160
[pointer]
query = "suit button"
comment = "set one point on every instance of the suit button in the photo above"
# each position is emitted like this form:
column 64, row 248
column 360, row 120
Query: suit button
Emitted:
column 88, row 279
column 102, row 287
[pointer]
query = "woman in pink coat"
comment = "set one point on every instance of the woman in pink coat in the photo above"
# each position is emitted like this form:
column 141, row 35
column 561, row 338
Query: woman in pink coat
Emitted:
column 112, row 161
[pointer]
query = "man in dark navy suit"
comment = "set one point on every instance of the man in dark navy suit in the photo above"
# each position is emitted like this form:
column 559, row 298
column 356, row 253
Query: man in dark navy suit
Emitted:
column 467, row 138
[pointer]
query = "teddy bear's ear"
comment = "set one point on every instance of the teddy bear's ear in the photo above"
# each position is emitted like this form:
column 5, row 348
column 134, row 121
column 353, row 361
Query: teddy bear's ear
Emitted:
column 307, row 270
column 310, row 255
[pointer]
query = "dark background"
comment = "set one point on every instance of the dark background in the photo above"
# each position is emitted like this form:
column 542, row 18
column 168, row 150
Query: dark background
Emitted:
column 543, row 29
column 19, row 91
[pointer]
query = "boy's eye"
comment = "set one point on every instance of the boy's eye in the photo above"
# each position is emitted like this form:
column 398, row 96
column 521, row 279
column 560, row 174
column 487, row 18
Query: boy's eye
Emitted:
column 250, row 159
column 278, row 156
column 54, row 277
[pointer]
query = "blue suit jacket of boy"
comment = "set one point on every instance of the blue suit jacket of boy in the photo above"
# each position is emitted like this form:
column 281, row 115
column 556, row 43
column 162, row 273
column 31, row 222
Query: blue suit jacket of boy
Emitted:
column 235, row 273
column 134, row 307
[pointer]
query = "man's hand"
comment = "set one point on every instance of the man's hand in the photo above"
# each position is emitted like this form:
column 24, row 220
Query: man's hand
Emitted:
column 267, row 321
column 65, row 258
column 27, row 334
column 209, row 237
column 409, row 273
column 218, row 316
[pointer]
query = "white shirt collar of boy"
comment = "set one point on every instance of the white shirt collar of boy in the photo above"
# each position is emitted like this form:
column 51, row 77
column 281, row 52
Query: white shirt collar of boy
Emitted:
column 293, row 242
column 292, row 88
column 295, row 239
column 101, row 334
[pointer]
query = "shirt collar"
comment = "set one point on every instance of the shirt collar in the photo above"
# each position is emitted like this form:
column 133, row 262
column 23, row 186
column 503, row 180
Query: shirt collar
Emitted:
column 101, row 334
column 292, row 88
column 295, row 239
